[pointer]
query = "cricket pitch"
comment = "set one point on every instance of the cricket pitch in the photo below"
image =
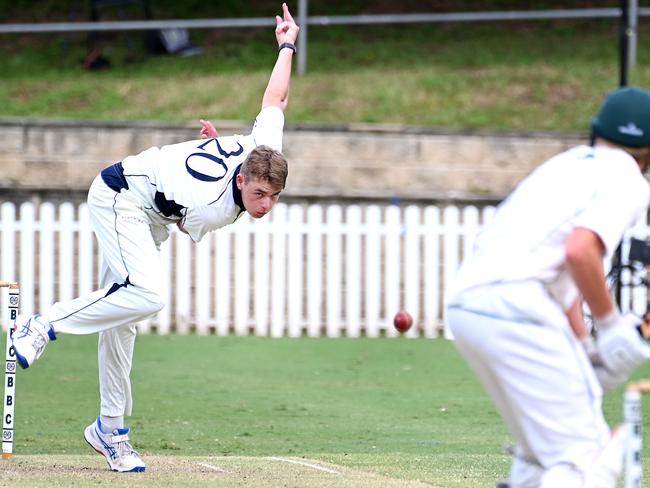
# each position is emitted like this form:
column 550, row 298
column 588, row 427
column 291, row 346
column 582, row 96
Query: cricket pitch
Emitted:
column 262, row 472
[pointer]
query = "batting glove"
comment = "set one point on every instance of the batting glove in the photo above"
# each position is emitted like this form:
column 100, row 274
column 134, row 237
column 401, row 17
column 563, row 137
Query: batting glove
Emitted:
column 608, row 380
column 621, row 349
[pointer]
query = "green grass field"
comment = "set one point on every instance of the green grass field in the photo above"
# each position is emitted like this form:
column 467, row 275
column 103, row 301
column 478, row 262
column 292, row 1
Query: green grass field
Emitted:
column 386, row 410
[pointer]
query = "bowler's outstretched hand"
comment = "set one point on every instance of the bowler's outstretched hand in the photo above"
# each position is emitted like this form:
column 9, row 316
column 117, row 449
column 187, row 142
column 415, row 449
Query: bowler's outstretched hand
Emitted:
column 286, row 29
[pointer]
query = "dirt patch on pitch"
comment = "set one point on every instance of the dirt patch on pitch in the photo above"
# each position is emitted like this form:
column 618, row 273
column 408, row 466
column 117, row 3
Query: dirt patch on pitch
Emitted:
column 264, row 472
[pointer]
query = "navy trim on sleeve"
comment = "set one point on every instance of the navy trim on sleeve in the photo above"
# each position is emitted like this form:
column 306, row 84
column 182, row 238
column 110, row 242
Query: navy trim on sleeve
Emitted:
column 167, row 207
column 114, row 178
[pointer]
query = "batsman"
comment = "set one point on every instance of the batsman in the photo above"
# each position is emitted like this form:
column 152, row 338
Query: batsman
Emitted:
column 515, row 308
column 199, row 186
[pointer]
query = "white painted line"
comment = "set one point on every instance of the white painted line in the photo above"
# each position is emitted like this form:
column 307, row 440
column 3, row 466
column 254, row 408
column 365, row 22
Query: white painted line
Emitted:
column 309, row 465
column 213, row 468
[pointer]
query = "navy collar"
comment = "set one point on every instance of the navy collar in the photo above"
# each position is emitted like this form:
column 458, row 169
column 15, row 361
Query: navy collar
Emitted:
column 236, row 192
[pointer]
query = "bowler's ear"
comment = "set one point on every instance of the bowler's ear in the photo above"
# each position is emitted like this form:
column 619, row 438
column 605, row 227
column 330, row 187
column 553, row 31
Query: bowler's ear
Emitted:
column 239, row 180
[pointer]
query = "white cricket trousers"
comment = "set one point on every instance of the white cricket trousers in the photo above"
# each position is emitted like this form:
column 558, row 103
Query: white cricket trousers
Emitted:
column 544, row 388
column 131, row 280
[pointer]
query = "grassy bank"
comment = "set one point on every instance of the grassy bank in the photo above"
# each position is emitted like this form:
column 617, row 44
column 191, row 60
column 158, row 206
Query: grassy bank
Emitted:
column 548, row 76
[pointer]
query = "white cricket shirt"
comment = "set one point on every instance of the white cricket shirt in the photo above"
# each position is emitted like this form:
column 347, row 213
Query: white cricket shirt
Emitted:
column 194, row 180
column 599, row 188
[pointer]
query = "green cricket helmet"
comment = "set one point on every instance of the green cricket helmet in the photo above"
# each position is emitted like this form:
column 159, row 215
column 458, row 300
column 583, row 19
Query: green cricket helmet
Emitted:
column 624, row 118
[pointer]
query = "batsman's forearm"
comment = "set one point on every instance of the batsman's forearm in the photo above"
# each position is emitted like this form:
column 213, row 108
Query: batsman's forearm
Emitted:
column 584, row 251
column 589, row 277
column 277, row 90
column 576, row 320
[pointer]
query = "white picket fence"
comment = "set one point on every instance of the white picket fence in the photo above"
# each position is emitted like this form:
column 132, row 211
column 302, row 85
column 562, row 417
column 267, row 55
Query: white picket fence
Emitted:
column 303, row 270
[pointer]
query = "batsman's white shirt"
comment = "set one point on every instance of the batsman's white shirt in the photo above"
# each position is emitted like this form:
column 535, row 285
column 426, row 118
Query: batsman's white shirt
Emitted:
column 507, row 306
column 599, row 188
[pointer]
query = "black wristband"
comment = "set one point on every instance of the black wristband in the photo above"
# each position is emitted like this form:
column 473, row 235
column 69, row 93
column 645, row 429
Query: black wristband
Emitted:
column 287, row 44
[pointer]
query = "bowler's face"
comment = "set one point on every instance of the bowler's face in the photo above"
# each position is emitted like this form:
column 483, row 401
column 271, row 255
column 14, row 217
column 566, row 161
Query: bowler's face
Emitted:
column 258, row 196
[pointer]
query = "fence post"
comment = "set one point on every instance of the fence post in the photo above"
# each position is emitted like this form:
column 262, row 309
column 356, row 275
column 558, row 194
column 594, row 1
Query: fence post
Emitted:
column 314, row 270
column 372, row 270
column 27, row 269
column 164, row 320
column 412, row 266
column 7, row 252
column 8, row 242
column 46, row 258
column 279, row 270
column 470, row 228
column 392, row 260
column 432, row 293
column 242, row 274
column 223, row 279
column 202, row 267
column 295, row 271
column 334, row 260
column 261, row 279
column 183, row 268
column 302, row 37
column 633, row 21
column 353, row 271
column 66, row 251
column 451, row 222
column 85, row 259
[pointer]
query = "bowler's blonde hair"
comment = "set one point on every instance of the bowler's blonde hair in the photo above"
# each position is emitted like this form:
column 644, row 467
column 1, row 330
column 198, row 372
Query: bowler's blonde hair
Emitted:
column 266, row 164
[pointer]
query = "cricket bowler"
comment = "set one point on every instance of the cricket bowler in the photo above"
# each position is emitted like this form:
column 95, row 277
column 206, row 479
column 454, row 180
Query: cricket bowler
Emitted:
column 199, row 186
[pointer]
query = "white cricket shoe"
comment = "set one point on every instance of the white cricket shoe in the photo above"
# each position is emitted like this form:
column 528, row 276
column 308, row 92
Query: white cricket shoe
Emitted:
column 115, row 447
column 31, row 335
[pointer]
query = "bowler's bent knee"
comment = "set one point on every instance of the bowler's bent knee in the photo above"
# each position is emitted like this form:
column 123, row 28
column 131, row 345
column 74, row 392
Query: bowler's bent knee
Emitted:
column 152, row 301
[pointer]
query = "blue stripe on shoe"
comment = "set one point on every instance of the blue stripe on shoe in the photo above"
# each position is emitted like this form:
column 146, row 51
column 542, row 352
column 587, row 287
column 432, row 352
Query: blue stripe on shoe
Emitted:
column 50, row 330
column 112, row 452
column 25, row 329
column 21, row 360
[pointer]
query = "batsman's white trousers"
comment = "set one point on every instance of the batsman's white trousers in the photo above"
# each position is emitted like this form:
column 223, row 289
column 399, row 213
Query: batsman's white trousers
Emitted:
column 131, row 292
column 544, row 388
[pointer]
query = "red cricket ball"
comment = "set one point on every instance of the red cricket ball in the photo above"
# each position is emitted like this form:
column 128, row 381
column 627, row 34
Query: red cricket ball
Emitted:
column 403, row 321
